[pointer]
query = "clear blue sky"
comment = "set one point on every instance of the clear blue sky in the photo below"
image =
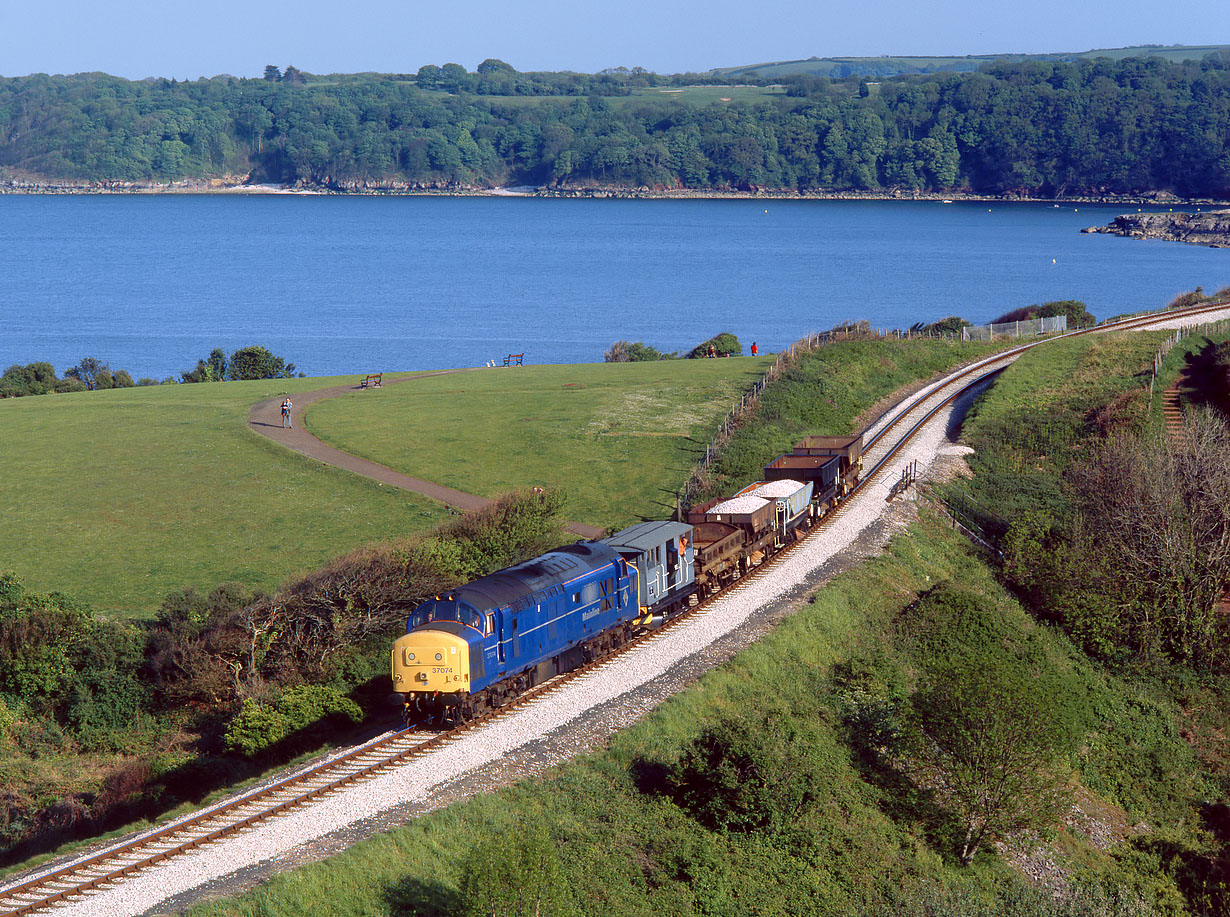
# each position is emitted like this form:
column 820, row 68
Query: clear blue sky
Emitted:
column 139, row 38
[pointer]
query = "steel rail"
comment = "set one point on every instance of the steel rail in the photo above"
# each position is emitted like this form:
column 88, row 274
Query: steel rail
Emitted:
column 62, row 885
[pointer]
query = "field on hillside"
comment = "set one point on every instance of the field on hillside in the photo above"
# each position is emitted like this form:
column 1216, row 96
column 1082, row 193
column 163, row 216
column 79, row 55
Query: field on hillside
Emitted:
column 690, row 95
column 118, row 497
column 617, row 438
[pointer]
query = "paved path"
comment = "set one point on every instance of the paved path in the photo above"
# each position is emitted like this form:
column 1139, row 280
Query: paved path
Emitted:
column 265, row 418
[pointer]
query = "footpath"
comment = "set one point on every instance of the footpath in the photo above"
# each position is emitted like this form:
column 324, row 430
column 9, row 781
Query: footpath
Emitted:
column 265, row 418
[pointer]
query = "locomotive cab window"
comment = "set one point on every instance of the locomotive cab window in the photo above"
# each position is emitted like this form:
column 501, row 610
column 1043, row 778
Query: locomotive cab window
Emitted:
column 490, row 624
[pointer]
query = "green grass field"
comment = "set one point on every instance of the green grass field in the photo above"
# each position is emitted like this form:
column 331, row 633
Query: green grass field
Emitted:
column 617, row 438
column 119, row 497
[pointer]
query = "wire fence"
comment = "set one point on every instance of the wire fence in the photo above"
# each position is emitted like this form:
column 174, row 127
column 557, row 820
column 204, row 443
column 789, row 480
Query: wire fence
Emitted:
column 860, row 331
column 1053, row 324
column 699, row 478
column 1209, row 328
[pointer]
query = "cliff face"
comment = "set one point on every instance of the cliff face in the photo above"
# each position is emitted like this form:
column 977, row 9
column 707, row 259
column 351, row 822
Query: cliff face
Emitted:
column 1211, row 228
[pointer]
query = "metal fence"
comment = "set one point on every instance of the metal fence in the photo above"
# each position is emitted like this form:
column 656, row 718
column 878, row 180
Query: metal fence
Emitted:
column 1030, row 326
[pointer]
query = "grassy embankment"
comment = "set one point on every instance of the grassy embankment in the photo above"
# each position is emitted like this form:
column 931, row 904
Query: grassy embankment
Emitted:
column 1045, row 409
column 1181, row 357
column 865, row 843
column 118, row 497
column 868, row 840
column 881, row 369
column 619, row 439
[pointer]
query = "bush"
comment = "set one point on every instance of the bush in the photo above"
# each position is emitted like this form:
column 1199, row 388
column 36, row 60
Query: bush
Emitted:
column 950, row 325
column 635, row 352
column 70, row 384
column 724, row 345
column 1193, row 298
column 1078, row 314
column 31, row 379
column 739, row 776
column 256, row 363
column 302, row 712
column 44, row 640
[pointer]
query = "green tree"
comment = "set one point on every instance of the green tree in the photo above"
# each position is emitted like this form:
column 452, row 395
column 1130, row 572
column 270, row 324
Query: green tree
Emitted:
column 990, row 739
column 91, row 372
column 258, row 363
column 213, row 369
column 272, row 73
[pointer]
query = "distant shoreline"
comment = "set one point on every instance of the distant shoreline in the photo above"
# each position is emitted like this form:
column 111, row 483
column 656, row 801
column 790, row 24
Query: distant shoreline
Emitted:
column 222, row 187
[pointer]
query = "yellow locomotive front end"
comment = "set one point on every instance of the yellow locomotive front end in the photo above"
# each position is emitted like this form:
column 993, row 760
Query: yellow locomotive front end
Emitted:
column 431, row 662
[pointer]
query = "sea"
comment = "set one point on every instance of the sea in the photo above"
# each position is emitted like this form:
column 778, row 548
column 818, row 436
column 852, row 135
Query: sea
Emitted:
column 339, row 284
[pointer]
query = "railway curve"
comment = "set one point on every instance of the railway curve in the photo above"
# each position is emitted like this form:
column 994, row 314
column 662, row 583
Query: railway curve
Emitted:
column 403, row 768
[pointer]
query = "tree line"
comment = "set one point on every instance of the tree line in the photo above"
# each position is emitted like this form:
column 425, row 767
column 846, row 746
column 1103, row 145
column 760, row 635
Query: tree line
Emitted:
column 91, row 373
column 1038, row 128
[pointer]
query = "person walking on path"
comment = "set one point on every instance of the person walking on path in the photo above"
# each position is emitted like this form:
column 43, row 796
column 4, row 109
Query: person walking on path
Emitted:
column 286, row 406
column 754, row 348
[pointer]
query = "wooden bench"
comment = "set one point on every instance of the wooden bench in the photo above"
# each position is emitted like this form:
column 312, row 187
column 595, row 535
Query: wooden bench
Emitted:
column 372, row 380
column 514, row 359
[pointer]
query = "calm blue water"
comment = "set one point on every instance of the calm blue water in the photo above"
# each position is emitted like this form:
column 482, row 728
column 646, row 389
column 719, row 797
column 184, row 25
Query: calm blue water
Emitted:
column 347, row 285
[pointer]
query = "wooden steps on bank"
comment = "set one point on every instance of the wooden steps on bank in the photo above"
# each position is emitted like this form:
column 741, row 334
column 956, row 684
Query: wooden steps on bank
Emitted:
column 1172, row 406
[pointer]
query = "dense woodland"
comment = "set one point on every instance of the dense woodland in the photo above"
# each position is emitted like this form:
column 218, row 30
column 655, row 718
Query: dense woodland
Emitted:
column 1041, row 128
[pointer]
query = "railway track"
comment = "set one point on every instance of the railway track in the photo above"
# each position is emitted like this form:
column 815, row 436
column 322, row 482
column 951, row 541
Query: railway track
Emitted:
column 119, row 862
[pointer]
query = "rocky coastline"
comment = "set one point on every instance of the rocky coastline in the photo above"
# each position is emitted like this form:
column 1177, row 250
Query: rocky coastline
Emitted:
column 1211, row 228
column 246, row 184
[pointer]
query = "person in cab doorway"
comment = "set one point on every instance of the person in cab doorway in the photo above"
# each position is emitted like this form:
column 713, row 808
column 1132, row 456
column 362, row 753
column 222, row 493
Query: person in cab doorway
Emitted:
column 286, row 406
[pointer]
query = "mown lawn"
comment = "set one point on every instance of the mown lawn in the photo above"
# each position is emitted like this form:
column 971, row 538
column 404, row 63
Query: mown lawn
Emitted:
column 617, row 438
column 119, row 497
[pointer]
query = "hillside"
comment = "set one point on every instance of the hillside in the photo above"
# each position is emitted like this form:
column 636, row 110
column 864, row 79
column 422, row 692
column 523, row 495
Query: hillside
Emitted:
column 801, row 777
column 1100, row 127
column 888, row 65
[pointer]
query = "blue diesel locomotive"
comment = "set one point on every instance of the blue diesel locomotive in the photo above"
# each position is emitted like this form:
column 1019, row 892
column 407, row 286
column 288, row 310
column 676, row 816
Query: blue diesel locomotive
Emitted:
column 476, row 648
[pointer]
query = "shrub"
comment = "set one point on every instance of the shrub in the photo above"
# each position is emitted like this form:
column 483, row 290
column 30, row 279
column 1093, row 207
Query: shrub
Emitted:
column 256, row 363
column 31, row 379
column 44, row 639
column 739, row 776
column 303, row 711
column 635, row 352
column 1078, row 314
column 1192, row 298
column 950, row 325
column 69, row 384
column 724, row 345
